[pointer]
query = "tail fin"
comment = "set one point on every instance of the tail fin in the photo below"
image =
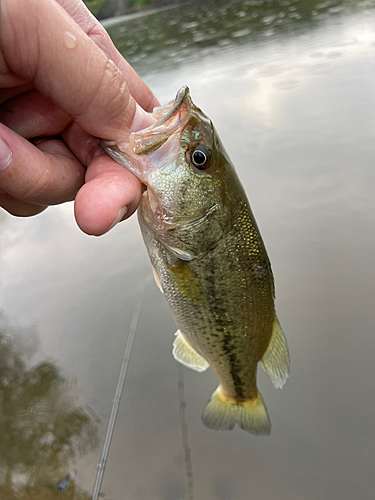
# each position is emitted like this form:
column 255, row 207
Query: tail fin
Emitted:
column 223, row 413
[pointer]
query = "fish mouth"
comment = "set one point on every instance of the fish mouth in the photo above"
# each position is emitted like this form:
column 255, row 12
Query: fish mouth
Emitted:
column 132, row 153
column 164, row 114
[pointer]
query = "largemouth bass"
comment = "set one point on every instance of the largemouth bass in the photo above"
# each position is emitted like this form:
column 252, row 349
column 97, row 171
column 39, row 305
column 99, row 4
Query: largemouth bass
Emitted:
column 208, row 259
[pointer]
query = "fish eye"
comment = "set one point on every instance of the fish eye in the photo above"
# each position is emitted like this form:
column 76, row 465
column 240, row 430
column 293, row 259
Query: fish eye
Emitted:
column 200, row 157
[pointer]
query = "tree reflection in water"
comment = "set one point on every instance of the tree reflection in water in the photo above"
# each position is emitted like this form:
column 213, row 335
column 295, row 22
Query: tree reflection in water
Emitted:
column 42, row 429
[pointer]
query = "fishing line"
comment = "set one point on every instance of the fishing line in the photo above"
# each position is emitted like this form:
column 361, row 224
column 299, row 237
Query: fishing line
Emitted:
column 184, row 431
column 117, row 398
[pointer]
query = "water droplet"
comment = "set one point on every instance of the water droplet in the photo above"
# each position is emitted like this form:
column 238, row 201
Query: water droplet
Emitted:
column 70, row 41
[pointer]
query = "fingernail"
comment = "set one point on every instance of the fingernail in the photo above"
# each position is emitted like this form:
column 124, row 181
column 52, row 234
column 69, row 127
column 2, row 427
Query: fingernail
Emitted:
column 120, row 216
column 5, row 155
column 124, row 214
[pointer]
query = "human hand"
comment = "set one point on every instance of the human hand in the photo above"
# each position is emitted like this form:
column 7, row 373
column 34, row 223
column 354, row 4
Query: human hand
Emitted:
column 61, row 79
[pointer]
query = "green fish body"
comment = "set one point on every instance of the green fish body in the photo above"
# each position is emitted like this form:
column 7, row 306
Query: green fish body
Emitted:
column 209, row 260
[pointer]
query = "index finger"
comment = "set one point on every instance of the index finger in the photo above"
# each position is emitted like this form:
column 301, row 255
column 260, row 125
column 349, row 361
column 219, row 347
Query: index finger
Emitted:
column 92, row 27
column 42, row 43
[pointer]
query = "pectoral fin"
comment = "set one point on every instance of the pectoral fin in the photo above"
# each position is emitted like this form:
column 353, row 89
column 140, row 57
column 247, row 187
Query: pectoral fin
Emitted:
column 275, row 360
column 187, row 283
column 186, row 355
column 157, row 280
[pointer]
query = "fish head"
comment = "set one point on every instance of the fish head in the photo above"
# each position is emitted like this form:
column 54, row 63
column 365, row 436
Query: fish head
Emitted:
column 185, row 168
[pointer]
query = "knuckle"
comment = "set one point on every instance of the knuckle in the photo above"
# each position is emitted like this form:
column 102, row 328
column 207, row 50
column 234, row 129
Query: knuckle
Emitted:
column 119, row 105
column 100, row 37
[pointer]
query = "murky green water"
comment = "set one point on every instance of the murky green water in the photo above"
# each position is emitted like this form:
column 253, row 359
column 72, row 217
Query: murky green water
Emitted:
column 290, row 88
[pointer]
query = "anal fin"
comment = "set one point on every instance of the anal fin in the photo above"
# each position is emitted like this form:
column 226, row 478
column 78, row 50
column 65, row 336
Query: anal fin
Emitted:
column 186, row 355
column 275, row 360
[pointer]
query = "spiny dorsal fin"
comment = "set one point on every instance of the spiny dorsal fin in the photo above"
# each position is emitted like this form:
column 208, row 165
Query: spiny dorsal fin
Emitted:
column 275, row 360
column 186, row 355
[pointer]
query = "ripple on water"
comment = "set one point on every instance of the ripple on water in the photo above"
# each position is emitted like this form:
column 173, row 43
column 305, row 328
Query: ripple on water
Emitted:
column 317, row 55
column 191, row 25
column 294, row 15
column 6, row 339
column 224, row 42
column 320, row 68
column 335, row 10
column 287, row 84
column 334, row 54
column 241, row 33
column 268, row 20
column 271, row 70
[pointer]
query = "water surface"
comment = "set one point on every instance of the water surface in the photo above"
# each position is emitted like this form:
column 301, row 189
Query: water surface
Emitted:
column 289, row 87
